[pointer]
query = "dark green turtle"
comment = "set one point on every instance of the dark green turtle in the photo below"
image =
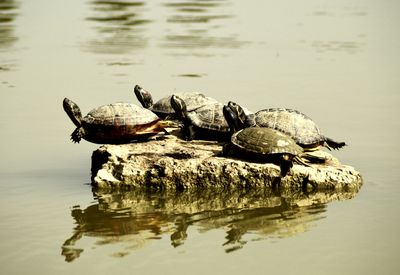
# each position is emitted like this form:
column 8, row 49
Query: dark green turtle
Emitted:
column 206, row 122
column 163, row 107
column 114, row 123
column 264, row 144
column 293, row 123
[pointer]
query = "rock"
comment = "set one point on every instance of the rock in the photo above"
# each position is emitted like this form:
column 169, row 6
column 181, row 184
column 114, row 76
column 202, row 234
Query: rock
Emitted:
column 171, row 163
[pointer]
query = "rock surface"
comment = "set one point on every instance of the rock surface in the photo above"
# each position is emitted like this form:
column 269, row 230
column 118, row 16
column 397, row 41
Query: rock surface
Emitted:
column 171, row 163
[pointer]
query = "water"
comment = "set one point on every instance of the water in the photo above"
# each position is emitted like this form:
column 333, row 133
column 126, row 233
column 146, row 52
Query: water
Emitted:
column 336, row 61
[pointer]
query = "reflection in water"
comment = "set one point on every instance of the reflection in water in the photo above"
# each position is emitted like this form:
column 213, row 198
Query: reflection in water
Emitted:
column 344, row 46
column 8, row 15
column 340, row 11
column 199, row 24
column 120, row 26
column 134, row 219
column 351, row 44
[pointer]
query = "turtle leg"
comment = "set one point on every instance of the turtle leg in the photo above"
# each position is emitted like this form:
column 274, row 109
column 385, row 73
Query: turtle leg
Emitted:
column 330, row 143
column 307, row 158
column 302, row 160
column 77, row 135
column 286, row 164
column 227, row 150
column 190, row 133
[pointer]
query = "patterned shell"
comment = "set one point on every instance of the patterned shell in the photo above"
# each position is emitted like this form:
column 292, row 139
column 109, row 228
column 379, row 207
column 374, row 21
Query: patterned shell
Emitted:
column 210, row 117
column 265, row 141
column 295, row 124
column 193, row 101
column 119, row 114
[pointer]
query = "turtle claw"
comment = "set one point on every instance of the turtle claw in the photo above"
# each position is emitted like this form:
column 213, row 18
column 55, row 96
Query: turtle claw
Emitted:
column 76, row 135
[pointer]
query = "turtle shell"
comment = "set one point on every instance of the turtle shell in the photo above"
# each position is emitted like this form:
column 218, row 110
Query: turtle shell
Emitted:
column 210, row 117
column 265, row 141
column 119, row 122
column 118, row 114
column 193, row 101
column 293, row 123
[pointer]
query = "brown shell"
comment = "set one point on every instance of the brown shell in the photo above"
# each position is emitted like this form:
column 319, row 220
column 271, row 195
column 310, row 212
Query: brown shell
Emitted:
column 193, row 101
column 119, row 122
column 210, row 117
column 120, row 114
column 291, row 122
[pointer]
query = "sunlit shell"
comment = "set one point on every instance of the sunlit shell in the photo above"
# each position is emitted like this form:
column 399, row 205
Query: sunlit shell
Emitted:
column 291, row 122
column 265, row 141
column 193, row 101
column 210, row 117
column 120, row 114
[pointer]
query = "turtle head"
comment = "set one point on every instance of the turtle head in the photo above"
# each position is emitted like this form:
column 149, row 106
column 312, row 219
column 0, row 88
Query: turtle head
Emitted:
column 73, row 111
column 238, row 110
column 232, row 119
column 143, row 96
column 245, row 116
column 179, row 106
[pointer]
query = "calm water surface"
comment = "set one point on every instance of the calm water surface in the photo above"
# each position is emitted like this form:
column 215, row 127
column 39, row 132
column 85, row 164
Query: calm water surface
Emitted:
column 336, row 61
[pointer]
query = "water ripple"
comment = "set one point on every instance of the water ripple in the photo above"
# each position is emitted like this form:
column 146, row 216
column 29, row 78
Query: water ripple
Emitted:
column 120, row 26
column 199, row 25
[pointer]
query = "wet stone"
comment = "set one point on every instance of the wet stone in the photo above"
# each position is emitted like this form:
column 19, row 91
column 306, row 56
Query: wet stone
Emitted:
column 173, row 164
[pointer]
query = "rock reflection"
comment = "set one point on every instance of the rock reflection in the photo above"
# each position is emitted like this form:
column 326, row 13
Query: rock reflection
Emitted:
column 120, row 26
column 199, row 24
column 8, row 14
column 134, row 219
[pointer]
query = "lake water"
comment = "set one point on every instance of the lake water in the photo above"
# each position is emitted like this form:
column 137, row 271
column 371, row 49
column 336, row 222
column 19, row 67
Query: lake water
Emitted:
column 336, row 61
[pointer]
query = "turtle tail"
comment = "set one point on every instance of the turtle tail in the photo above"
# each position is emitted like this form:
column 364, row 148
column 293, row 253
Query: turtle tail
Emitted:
column 331, row 144
column 76, row 135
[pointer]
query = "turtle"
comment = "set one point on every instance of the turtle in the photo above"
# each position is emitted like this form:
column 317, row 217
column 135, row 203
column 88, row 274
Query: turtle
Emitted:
column 206, row 122
column 264, row 144
column 163, row 107
column 294, row 123
column 114, row 123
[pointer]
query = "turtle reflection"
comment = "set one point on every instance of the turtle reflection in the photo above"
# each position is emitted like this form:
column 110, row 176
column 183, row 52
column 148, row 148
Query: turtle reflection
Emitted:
column 134, row 219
